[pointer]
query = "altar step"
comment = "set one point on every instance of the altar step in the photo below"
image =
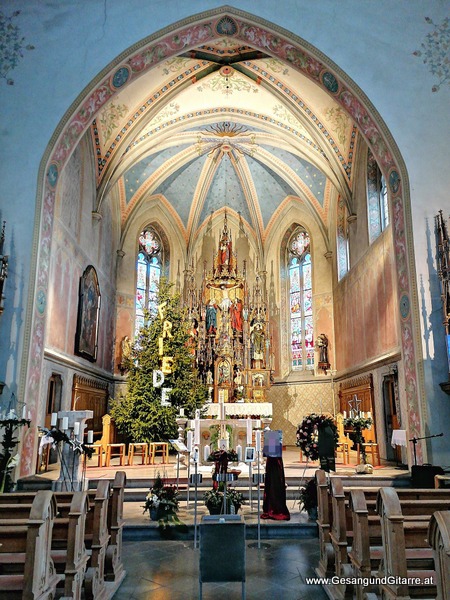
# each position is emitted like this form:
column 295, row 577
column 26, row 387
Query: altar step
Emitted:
column 137, row 489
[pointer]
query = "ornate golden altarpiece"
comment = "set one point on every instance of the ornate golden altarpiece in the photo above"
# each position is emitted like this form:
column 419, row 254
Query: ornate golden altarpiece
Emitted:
column 230, row 333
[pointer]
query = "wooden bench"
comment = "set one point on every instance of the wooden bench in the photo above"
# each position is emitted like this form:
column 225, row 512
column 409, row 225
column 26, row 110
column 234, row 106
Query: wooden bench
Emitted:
column 68, row 551
column 367, row 547
column 96, row 537
column 114, row 571
column 406, row 552
column 26, row 567
column 439, row 540
column 350, row 529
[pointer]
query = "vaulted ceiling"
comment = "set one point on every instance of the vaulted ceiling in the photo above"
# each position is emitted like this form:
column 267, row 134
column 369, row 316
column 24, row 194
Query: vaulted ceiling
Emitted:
column 224, row 126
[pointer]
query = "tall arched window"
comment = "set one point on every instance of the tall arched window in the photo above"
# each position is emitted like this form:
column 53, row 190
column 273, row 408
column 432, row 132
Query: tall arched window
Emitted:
column 377, row 198
column 300, row 301
column 149, row 263
column 342, row 239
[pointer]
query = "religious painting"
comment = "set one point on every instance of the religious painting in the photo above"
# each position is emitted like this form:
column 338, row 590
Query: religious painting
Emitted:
column 224, row 372
column 88, row 315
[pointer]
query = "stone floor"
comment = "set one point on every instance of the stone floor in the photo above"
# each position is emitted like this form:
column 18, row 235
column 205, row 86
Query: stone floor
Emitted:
column 169, row 570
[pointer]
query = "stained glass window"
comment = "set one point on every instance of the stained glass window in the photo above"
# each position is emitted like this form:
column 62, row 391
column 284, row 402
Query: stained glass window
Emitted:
column 148, row 272
column 377, row 199
column 300, row 302
column 342, row 239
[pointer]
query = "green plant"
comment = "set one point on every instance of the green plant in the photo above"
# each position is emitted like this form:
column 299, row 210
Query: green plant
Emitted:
column 7, row 460
column 139, row 415
column 308, row 496
column 213, row 499
column 164, row 500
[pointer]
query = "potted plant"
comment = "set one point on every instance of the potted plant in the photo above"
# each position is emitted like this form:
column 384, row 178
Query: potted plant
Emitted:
column 308, row 499
column 162, row 502
column 213, row 500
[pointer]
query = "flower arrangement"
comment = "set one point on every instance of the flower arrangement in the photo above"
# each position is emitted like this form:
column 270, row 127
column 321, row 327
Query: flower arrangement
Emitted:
column 217, row 455
column 308, row 495
column 359, row 423
column 308, row 433
column 213, row 499
column 162, row 502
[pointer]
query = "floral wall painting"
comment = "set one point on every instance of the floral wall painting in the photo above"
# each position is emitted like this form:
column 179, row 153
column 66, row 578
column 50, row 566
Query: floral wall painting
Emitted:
column 435, row 52
column 88, row 315
column 12, row 46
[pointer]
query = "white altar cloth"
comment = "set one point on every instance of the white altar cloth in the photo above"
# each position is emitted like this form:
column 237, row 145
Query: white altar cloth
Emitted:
column 398, row 437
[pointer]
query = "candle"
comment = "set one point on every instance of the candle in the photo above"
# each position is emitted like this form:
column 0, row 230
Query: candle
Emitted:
column 206, row 452
column 65, row 423
column 239, row 452
column 197, row 414
column 181, row 412
column 258, row 441
column 189, row 441
column 345, row 414
column 197, row 432
column 54, row 419
column 249, row 432
column 90, row 437
column 222, row 411
column 24, row 412
column 369, row 415
column 76, row 428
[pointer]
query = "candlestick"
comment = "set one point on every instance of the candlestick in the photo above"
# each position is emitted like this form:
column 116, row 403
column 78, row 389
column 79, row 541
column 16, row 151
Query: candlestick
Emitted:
column 65, row 423
column 90, row 437
column 54, row 419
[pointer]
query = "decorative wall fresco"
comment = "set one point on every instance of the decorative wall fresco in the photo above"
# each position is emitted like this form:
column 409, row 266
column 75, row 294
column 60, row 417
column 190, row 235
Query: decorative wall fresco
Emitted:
column 436, row 52
column 109, row 119
column 12, row 46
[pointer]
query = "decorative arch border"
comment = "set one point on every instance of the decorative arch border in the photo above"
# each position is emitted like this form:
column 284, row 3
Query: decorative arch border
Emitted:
column 180, row 37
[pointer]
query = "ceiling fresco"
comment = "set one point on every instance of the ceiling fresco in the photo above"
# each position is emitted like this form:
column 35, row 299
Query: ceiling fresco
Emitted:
column 224, row 125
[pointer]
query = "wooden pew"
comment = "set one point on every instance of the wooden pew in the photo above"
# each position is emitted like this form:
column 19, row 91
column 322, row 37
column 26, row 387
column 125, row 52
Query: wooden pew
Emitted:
column 96, row 538
column 68, row 547
column 350, row 534
column 114, row 571
column 325, row 567
column 439, row 540
column 26, row 568
column 367, row 548
column 406, row 552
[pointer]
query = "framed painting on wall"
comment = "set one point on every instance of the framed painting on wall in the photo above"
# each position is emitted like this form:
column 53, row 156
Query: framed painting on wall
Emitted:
column 88, row 315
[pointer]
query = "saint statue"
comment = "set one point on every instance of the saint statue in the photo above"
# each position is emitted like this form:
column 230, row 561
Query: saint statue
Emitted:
column 211, row 317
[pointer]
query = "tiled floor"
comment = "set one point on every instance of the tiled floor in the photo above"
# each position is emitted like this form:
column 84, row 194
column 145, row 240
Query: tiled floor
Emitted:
column 169, row 570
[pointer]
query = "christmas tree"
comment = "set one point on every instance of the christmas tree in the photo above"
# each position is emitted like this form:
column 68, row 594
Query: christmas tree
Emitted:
column 163, row 350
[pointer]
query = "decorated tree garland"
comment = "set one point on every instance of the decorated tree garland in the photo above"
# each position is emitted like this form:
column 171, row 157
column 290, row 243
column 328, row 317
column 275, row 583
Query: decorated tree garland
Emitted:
column 308, row 433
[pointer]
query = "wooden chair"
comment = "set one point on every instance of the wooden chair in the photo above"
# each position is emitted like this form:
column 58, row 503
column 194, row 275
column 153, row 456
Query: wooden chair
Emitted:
column 159, row 448
column 138, row 449
column 372, row 449
column 115, row 450
column 344, row 443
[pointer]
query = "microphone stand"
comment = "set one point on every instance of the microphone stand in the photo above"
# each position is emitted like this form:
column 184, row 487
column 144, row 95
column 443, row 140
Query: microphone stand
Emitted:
column 414, row 440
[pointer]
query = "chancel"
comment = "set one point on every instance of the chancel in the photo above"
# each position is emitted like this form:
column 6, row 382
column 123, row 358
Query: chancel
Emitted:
column 219, row 222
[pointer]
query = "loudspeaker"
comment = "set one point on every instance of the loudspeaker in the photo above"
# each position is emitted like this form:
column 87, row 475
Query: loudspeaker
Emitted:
column 422, row 476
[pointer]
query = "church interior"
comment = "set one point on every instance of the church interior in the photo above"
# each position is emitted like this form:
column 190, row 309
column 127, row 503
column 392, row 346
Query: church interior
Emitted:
column 286, row 170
